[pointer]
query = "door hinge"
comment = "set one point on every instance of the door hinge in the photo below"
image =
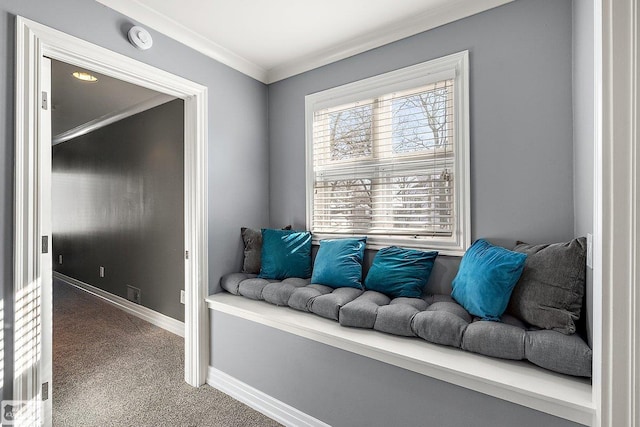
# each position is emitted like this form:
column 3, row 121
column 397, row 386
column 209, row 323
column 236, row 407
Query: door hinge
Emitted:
column 186, row 254
column 45, row 391
column 45, row 103
column 45, row 244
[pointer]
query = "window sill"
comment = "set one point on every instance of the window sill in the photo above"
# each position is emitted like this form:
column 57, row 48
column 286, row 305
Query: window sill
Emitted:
column 517, row 382
column 443, row 246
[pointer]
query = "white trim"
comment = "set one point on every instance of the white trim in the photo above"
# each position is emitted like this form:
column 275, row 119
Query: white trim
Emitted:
column 160, row 320
column 27, row 280
column 447, row 12
column 169, row 27
column 261, row 402
column 518, row 382
column 618, row 383
column 598, row 290
column 196, row 220
column 46, row 224
column 33, row 41
column 110, row 118
column 428, row 72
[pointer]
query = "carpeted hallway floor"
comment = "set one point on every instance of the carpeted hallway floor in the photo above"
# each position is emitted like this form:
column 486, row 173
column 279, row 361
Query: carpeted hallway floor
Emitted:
column 113, row 369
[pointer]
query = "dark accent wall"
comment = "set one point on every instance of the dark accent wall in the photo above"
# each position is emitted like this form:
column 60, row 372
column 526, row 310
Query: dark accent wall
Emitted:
column 118, row 202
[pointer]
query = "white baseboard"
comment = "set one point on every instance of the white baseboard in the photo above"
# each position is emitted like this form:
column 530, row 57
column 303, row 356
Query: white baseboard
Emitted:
column 261, row 402
column 165, row 322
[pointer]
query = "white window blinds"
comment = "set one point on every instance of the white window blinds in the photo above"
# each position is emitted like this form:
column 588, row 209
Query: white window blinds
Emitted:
column 385, row 165
column 391, row 164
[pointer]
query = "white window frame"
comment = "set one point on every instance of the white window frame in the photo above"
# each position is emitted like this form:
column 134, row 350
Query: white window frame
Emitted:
column 455, row 66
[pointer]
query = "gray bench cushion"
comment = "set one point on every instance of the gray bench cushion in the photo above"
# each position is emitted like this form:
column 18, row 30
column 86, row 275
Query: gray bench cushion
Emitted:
column 329, row 305
column 396, row 319
column 278, row 293
column 301, row 298
column 440, row 327
column 435, row 318
column 362, row 312
column 231, row 282
column 451, row 307
column 567, row 354
column 252, row 288
column 494, row 339
column 322, row 300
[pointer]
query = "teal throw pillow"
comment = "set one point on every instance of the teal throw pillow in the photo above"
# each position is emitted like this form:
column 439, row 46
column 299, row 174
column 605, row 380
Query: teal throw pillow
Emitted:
column 339, row 263
column 486, row 278
column 285, row 253
column 399, row 272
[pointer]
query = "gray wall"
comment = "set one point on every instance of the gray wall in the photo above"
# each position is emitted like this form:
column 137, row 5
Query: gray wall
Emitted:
column 118, row 202
column 583, row 131
column 238, row 131
column 521, row 180
column 344, row 389
column 522, row 189
column 520, row 109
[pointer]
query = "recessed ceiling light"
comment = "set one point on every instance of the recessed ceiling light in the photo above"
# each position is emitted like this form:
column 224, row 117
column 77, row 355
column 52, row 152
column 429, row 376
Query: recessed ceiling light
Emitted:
column 85, row 77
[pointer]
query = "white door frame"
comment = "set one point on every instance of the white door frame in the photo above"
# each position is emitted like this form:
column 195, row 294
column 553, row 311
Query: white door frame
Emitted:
column 34, row 41
column 616, row 281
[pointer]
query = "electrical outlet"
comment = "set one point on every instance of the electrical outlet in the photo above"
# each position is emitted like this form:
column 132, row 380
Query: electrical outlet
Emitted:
column 181, row 296
column 101, row 271
column 60, row 259
column 589, row 250
column 133, row 294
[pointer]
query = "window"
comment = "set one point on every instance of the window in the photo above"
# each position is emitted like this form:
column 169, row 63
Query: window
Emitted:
column 388, row 157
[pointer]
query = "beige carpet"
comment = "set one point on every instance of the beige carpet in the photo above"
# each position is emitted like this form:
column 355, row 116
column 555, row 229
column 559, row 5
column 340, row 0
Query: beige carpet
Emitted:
column 113, row 369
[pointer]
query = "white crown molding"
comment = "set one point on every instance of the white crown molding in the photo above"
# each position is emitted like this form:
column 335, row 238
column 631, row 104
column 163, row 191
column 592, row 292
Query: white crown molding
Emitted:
column 110, row 118
column 449, row 12
column 158, row 319
column 184, row 35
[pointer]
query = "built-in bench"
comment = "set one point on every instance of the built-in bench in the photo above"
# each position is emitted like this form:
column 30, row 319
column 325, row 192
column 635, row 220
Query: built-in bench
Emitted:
column 435, row 318
column 426, row 333
column 515, row 381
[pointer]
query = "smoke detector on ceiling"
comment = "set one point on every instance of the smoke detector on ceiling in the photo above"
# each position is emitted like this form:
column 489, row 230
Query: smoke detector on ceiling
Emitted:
column 140, row 38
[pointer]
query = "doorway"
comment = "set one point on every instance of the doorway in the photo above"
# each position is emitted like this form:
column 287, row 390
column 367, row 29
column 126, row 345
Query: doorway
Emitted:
column 118, row 192
column 32, row 260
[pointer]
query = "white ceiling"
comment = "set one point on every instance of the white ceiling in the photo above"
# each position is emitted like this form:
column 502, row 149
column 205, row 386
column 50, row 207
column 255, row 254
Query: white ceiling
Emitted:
column 75, row 103
column 275, row 39
column 267, row 40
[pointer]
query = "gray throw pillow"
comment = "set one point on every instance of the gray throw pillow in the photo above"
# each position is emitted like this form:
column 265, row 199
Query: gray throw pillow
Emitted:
column 253, row 249
column 550, row 291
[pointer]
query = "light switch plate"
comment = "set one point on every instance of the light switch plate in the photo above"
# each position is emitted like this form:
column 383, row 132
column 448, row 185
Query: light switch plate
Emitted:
column 181, row 296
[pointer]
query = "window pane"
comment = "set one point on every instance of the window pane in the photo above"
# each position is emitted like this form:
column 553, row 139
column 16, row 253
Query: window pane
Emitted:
column 343, row 205
column 423, row 202
column 420, row 121
column 388, row 158
column 350, row 132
